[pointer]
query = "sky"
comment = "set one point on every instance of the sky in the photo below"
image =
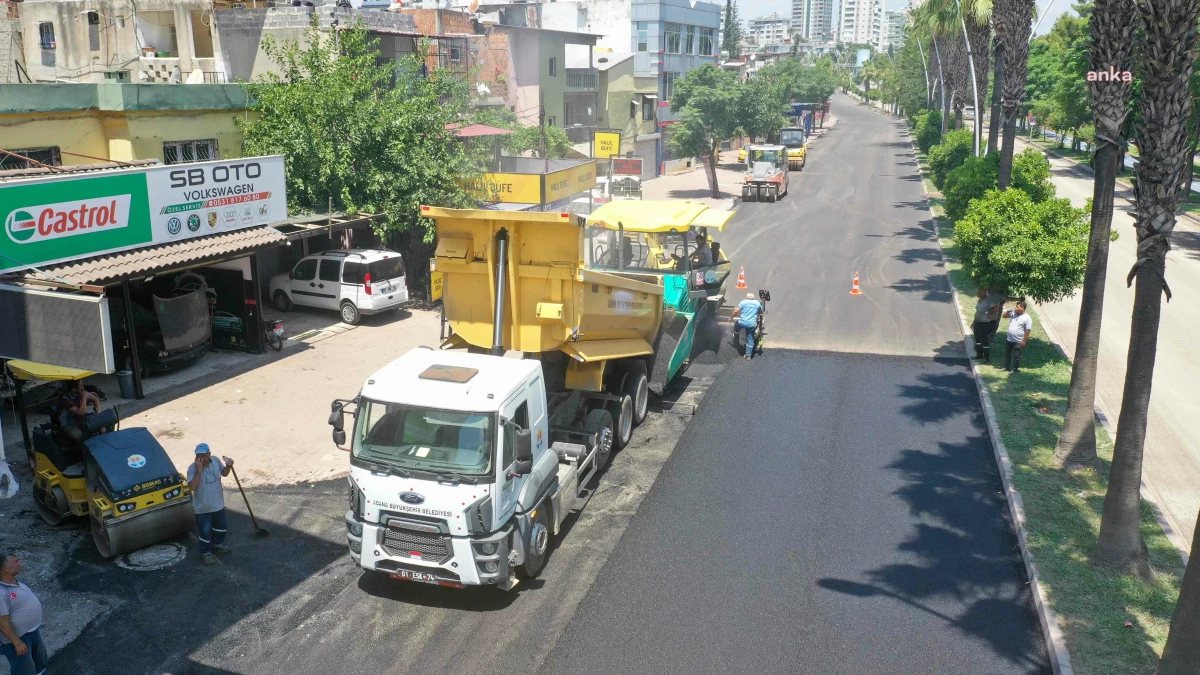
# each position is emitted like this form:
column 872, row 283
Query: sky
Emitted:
column 750, row 9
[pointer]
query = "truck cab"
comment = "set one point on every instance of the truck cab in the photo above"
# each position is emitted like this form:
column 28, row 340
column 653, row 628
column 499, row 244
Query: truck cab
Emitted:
column 450, row 462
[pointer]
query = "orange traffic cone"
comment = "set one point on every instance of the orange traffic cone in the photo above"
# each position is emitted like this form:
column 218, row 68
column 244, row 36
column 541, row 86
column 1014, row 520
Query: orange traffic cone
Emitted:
column 854, row 289
column 742, row 279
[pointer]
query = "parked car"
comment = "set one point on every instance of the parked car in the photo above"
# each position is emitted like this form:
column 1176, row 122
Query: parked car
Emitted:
column 352, row 281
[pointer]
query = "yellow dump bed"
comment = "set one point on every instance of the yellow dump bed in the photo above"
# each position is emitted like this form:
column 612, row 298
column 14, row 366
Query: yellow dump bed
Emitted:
column 552, row 301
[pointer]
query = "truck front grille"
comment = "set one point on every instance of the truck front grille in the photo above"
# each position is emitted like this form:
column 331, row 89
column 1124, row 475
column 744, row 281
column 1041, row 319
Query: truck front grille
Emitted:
column 431, row 547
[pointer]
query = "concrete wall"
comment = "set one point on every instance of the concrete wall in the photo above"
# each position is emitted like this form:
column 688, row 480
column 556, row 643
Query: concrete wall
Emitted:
column 11, row 50
column 619, row 86
column 240, row 31
column 609, row 19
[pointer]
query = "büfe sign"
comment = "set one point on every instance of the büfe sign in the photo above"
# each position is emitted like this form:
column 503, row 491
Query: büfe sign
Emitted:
column 56, row 219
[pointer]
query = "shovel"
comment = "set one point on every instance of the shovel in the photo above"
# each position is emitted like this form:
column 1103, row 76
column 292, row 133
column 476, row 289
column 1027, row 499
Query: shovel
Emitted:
column 259, row 532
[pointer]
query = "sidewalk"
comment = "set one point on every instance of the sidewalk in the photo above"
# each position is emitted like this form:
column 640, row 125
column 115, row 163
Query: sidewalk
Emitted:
column 693, row 185
column 1172, row 455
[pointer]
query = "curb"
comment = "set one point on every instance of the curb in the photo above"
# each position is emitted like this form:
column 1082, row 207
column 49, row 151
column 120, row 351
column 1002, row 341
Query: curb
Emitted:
column 1056, row 644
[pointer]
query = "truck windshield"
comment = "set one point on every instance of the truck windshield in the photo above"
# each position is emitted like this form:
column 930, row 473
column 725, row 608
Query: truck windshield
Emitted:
column 791, row 137
column 424, row 439
column 769, row 156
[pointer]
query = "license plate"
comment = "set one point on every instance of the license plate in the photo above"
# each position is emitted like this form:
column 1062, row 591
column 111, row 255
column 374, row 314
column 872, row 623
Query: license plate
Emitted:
column 387, row 289
column 423, row 577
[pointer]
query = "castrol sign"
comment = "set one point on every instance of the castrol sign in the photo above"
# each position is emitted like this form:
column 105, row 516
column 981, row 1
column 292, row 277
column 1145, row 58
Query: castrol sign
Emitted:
column 65, row 219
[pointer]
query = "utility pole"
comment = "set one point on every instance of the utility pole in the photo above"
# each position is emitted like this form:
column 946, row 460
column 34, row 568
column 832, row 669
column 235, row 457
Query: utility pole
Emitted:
column 542, row 143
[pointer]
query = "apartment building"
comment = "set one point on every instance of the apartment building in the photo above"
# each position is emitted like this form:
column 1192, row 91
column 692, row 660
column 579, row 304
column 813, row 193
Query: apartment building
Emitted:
column 769, row 30
column 861, row 22
column 893, row 30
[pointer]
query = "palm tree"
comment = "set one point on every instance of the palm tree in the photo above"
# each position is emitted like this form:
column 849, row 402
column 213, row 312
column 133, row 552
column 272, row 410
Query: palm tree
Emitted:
column 1181, row 655
column 964, row 24
column 1167, row 49
column 1016, row 18
column 1112, row 27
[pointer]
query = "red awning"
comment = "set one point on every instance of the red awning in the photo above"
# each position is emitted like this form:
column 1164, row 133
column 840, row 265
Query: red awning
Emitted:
column 472, row 130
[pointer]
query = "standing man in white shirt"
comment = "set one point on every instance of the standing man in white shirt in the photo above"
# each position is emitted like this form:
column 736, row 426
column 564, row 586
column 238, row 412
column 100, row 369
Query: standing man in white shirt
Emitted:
column 208, row 501
column 1020, row 325
column 20, row 621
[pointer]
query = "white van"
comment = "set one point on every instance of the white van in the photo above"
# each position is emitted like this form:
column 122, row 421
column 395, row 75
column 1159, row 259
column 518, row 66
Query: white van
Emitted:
column 353, row 281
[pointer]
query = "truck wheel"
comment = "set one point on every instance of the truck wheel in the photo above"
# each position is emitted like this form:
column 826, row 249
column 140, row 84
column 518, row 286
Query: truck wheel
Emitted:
column 539, row 544
column 350, row 313
column 772, row 195
column 282, row 302
column 762, row 194
column 600, row 422
column 622, row 413
column 638, row 387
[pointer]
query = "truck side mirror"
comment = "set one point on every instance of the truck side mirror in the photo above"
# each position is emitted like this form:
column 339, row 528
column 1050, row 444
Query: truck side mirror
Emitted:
column 336, row 419
column 524, row 452
column 291, row 274
column 339, row 437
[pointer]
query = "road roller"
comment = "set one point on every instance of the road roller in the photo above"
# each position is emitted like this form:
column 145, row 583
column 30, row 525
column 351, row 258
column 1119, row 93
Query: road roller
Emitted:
column 123, row 481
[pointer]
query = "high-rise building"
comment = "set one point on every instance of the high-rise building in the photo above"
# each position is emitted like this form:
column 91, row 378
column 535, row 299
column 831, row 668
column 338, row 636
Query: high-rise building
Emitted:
column 813, row 19
column 769, row 30
column 913, row 4
column 893, row 29
column 861, row 22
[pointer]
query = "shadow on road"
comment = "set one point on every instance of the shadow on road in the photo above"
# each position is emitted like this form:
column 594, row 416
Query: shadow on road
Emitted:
column 913, row 255
column 935, row 287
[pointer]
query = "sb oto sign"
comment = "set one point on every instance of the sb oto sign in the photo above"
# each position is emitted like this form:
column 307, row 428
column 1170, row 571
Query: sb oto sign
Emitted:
column 56, row 219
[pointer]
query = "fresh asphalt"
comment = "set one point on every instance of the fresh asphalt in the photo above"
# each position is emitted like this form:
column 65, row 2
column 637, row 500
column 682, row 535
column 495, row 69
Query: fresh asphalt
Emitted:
column 833, row 506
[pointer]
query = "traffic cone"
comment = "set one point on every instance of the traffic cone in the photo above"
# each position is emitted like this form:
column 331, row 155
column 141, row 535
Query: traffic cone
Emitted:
column 854, row 289
column 742, row 279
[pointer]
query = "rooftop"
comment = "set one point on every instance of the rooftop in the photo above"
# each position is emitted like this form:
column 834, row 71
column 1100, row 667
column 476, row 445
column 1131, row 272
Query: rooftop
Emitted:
column 79, row 97
column 483, row 392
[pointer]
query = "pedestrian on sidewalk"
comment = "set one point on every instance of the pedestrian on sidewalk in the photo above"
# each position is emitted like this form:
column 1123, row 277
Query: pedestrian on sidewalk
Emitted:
column 1020, row 325
column 745, row 318
column 987, row 321
column 208, row 501
column 20, row 622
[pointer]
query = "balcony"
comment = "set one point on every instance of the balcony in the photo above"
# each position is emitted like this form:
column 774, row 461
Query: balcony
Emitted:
column 581, row 79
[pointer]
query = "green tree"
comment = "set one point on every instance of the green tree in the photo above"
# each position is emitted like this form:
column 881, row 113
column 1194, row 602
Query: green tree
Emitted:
column 1009, row 242
column 929, row 130
column 1071, row 96
column 978, row 175
column 762, row 109
column 361, row 133
column 708, row 101
column 731, row 38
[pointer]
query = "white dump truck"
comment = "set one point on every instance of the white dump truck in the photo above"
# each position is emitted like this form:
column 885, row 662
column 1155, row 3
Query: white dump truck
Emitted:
column 464, row 462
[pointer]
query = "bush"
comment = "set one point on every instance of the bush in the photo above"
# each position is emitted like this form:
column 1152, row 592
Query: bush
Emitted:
column 1031, row 175
column 948, row 155
column 929, row 130
column 1009, row 242
column 977, row 175
column 969, row 182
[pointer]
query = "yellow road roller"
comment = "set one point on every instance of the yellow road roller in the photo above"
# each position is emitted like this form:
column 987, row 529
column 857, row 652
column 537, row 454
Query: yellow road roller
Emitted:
column 122, row 480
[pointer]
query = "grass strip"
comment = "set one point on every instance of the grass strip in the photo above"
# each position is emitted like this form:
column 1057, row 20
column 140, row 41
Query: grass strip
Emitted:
column 1063, row 510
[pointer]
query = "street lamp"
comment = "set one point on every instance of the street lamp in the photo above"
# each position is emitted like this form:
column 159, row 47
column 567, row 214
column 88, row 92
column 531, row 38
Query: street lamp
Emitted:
column 974, row 85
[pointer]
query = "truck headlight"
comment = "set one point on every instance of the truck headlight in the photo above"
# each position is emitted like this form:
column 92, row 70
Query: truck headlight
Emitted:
column 126, row 508
column 488, row 549
column 354, row 527
column 491, row 566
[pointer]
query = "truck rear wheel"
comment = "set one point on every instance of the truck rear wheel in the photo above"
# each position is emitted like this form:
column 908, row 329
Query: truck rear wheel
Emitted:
column 539, row 544
column 638, row 387
column 622, row 412
column 600, row 422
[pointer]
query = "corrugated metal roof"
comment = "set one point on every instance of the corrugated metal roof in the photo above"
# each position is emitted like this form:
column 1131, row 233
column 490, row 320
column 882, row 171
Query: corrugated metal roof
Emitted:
column 114, row 267
column 43, row 172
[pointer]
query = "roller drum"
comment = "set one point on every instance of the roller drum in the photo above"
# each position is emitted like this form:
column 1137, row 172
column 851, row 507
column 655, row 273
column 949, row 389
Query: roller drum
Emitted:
column 116, row 536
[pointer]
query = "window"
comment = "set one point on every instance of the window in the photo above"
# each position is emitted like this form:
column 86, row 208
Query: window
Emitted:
column 93, row 18
column 456, row 55
column 330, row 270
column 643, row 37
column 689, row 41
column 669, row 85
column 706, row 42
column 352, row 273
column 386, row 269
column 553, row 66
column 648, row 106
column 305, row 271
column 46, row 35
column 520, row 420
column 424, row 439
column 673, row 37
column 93, row 28
column 49, row 156
column 549, row 121
column 178, row 152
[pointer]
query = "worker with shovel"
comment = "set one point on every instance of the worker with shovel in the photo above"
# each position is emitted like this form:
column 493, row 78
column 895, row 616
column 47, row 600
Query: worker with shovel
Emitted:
column 204, row 480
